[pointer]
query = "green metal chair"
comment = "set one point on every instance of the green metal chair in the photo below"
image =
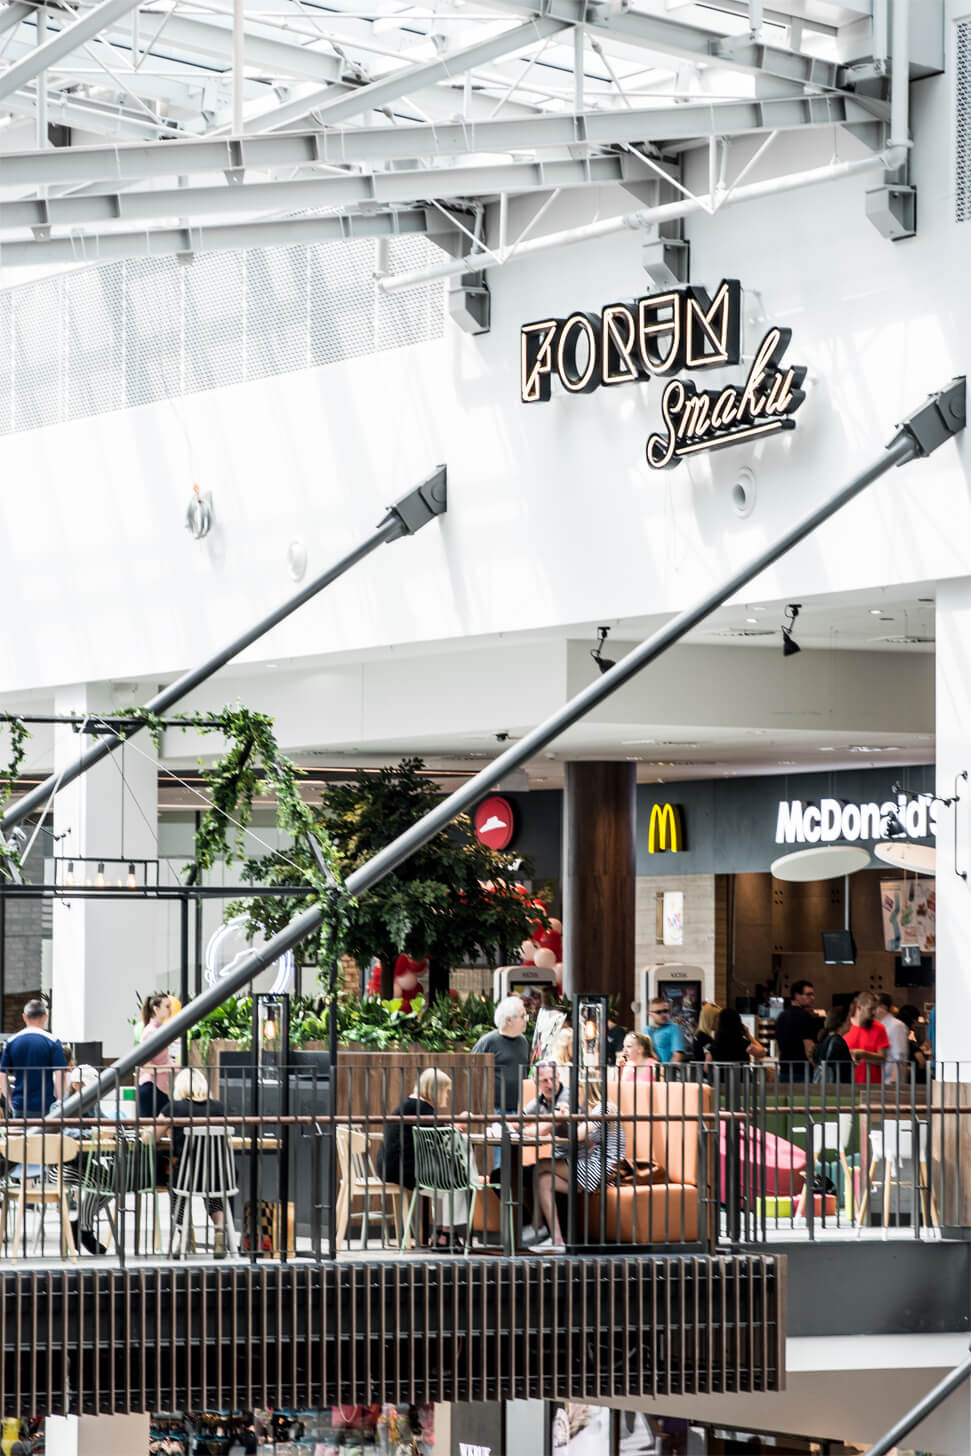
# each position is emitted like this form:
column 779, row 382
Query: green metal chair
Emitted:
column 443, row 1166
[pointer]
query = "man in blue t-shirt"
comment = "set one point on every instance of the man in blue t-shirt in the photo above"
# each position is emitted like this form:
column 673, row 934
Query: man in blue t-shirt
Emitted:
column 665, row 1033
column 31, row 1058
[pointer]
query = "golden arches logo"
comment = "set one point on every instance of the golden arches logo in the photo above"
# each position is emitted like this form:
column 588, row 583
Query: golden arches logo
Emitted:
column 665, row 830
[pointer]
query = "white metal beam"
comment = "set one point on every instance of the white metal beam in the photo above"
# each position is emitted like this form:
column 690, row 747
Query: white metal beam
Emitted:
column 404, row 81
column 276, row 57
column 164, row 242
column 62, row 43
column 14, row 14
column 377, row 145
column 412, row 185
column 678, row 38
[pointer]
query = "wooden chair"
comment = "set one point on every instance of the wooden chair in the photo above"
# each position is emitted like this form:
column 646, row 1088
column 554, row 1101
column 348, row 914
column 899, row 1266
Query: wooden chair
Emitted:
column 359, row 1179
column 51, row 1152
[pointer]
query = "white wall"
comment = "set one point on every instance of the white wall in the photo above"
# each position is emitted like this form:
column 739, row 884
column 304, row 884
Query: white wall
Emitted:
column 554, row 516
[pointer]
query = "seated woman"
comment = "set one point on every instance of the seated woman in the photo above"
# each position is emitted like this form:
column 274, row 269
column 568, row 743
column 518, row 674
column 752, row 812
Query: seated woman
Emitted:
column 191, row 1100
column 601, row 1147
column 638, row 1062
column 431, row 1095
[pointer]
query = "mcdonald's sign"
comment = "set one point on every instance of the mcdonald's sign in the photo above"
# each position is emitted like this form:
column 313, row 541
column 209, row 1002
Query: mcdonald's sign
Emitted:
column 666, row 829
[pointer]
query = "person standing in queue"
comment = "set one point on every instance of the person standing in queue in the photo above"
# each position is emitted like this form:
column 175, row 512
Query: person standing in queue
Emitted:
column 665, row 1033
column 795, row 1032
column 154, row 1078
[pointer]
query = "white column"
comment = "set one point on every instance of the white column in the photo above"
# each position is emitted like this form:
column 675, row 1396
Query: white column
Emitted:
column 103, row 953
column 96, row 1435
column 953, row 994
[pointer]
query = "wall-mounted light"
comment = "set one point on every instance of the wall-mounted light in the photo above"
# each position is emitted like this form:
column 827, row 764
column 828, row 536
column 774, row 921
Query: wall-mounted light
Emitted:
column 604, row 663
column 789, row 644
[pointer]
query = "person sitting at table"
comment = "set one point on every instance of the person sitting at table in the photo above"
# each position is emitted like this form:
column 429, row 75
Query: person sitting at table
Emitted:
column 91, row 1202
column 601, row 1147
column 430, row 1097
column 191, row 1100
column 562, row 1048
column 550, row 1092
column 638, row 1062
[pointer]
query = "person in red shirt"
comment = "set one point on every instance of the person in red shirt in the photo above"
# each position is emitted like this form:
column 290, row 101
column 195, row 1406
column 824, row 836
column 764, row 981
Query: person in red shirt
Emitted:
column 866, row 1039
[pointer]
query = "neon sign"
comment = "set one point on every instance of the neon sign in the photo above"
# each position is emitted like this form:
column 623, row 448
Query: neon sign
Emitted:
column 832, row 819
column 661, row 335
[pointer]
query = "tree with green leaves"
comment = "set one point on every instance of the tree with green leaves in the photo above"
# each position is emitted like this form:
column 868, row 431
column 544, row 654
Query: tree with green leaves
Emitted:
column 453, row 901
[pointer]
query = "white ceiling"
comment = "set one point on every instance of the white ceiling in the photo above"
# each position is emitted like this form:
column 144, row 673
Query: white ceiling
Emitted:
column 775, row 733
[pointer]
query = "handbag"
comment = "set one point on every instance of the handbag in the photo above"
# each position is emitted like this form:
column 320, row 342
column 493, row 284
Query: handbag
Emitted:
column 639, row 1173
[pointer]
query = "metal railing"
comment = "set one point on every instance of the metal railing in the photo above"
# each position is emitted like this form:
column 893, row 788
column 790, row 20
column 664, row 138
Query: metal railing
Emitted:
column 414, row 1153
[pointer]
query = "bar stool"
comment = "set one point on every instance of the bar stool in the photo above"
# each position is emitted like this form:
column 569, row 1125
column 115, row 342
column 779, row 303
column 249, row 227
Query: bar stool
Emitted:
column 207, row 1170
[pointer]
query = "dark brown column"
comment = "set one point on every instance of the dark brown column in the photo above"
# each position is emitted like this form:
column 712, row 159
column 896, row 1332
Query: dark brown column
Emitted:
column 599, row 845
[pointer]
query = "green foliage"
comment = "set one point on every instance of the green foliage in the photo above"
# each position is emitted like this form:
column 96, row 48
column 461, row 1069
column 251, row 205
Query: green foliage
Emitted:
column 445, row 1024
column 253, row 760
column 232, row 1021
column 19, row 734
column 453, row 900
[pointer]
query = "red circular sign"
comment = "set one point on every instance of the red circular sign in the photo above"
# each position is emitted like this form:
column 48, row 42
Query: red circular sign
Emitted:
column 494, row 823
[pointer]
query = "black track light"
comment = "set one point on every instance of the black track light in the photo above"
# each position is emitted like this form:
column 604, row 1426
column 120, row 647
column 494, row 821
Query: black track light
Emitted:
column 789, row 644
column 604, row 663
column 892, row 827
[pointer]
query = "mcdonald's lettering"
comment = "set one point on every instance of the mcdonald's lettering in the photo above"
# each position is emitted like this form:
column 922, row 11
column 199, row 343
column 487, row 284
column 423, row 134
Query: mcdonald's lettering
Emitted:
column 665, row 830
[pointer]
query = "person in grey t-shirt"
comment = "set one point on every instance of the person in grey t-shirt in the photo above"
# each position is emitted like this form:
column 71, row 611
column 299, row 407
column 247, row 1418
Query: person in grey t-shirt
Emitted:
column 510, row 1050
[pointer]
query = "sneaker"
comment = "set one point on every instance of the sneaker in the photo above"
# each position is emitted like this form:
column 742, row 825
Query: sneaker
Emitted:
column 531, row 1235
column 219, row 1244
column 549, row 1246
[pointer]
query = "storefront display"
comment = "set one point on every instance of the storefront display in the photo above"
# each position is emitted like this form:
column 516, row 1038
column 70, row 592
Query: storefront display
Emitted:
column 385, row 1430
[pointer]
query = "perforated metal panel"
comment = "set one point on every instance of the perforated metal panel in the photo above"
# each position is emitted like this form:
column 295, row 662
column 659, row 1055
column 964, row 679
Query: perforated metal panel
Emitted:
column 962, row 124
column 149, row 329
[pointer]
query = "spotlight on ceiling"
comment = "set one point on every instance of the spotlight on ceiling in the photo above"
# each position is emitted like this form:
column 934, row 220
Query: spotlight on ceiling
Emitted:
column 604, row 663
column 789, row 644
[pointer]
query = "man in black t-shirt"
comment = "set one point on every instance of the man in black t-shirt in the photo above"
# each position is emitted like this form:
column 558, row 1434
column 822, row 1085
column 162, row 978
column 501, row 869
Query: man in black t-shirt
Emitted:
column 795, row 1033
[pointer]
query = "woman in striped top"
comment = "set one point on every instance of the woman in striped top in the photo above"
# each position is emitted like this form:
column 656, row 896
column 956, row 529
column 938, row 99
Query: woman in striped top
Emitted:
column 601, row 1147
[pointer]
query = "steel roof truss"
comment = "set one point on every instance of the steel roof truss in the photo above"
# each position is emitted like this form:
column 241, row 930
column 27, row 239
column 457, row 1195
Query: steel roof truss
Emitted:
column 377, row 145
column 348, row 189
column 187, row 241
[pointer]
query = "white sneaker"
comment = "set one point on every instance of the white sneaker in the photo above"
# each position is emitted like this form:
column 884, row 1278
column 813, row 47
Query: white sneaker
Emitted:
column 530, row 1235
column 549, row 1246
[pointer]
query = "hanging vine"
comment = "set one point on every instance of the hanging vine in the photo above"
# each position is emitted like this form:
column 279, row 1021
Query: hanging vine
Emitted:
column 252, row 761
column 19, row 734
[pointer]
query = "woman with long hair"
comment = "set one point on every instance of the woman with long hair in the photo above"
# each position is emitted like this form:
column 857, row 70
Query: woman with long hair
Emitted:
column 707, row 1026
column 638, row 1062
column 154, row 1078
column 601, row 1146
column 732, row 1042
